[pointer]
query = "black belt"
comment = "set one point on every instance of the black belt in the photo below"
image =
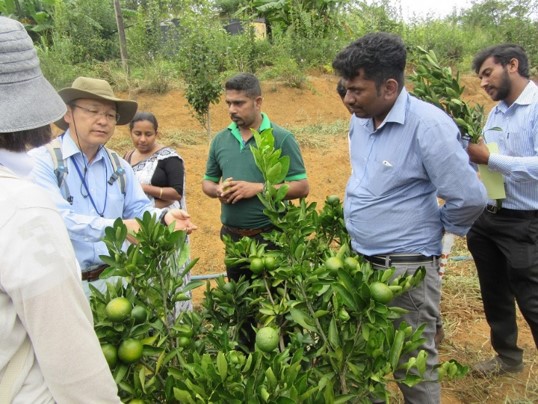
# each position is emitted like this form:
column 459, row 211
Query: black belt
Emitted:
column 521, row 214
column 93, row 274
column 389, row 259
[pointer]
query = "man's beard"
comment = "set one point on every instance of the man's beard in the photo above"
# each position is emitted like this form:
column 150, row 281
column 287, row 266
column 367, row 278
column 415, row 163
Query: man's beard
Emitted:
column 504, row 88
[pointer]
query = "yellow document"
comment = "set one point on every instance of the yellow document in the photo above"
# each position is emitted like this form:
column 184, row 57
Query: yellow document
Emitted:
column 493, row 181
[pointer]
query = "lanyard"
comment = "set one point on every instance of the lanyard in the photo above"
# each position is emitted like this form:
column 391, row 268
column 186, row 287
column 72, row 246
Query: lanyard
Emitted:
column 83, row 179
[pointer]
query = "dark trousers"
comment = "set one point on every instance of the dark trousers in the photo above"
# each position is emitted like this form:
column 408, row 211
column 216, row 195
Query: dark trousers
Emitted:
column 505, row 251
column 247, row 333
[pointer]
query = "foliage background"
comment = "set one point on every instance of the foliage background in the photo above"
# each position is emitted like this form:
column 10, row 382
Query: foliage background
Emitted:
column 78, row 37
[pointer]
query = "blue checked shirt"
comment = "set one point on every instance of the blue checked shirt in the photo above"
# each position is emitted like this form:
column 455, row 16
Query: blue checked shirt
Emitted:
column 398, row 171
column 85, row 226
column 517, row 159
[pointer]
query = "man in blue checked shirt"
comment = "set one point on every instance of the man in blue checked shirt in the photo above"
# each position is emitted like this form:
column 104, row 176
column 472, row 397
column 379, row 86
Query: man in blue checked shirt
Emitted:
column 504, row 240
column 404, row 154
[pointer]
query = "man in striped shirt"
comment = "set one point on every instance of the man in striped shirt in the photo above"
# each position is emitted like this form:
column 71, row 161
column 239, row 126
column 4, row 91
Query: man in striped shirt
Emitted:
column 404, row 154
column 504, row 240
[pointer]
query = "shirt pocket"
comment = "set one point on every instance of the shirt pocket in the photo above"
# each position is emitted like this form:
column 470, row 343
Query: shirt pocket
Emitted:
column 384, row 178
column 520, row 143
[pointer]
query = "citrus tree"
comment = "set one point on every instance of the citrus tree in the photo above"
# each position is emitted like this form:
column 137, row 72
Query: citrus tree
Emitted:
column 437, row 85
column 324, row 324
column 138, row 321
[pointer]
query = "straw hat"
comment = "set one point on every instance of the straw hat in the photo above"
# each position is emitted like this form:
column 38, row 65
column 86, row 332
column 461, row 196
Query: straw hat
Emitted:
column 96, row 89
column 27, row 100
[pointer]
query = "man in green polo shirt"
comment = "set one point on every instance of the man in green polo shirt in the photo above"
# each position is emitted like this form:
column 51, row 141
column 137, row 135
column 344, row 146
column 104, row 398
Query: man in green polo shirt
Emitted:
column 231, row 173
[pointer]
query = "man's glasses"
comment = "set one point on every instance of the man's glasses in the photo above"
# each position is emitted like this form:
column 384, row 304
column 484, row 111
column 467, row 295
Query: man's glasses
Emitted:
column 112, row 117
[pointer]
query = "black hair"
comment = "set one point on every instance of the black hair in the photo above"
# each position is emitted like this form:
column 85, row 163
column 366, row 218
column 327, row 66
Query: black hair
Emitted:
column 503, row 54
column 25, row 139
column 341, row 89
column 380, row 55
column 144, row 116
column 246, row 82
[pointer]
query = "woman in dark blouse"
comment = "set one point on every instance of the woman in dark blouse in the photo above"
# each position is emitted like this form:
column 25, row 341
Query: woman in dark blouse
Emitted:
column 159, row 169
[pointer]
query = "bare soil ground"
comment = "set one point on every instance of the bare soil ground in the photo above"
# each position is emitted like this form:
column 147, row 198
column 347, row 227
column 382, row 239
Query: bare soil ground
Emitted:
column 467, row 334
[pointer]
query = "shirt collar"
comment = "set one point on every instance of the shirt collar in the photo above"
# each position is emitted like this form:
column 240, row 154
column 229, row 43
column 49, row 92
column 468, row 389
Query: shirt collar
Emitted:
column 527, row 97
column 398, row 110
column 70, row 148
column 266, row 124
column 396, row 114
column 18, row 162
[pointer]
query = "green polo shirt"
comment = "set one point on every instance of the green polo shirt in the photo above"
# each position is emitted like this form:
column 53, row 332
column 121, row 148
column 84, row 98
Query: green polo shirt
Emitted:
column 230, row 157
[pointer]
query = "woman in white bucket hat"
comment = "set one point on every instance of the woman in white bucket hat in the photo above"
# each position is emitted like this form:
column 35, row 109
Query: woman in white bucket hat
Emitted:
column 48, row 349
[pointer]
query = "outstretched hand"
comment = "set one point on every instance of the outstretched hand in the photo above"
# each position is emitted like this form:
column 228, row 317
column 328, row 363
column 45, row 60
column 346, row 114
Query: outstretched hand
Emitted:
column 181, row 219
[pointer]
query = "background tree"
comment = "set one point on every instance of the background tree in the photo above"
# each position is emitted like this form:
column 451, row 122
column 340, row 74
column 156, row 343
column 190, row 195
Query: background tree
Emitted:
column 91, row 28
column 78, row 37
column 35, row 15
column 199, row 60
column 496, row 21
column 121, row 34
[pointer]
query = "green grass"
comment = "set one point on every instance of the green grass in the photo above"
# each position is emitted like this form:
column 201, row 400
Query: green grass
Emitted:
column 316, row 135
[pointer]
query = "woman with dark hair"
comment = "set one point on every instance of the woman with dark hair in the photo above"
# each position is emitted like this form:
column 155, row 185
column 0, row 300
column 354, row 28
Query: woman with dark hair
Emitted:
column 159, row 169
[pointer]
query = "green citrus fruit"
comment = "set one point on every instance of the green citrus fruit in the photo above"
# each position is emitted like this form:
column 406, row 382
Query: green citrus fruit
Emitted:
column 118, row 309
column 380, row 292
column 137, row 401
column 333, row 200
column 228, row 287
column 111, row 355
column 184, row 330
column 343, row 314
column 269, row 262
column 256, row 265
column 183, row 341
column 351, row 263
column 333, row 264
column 234, row 358
column 130, row 350
column 139, row 314
column 267, row 339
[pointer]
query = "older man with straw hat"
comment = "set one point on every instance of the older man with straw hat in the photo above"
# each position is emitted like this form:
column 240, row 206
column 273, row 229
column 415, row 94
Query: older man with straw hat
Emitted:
column 48, row 349
column 99, row 186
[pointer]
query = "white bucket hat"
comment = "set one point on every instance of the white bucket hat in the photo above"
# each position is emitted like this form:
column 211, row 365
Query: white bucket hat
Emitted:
column 27, row 99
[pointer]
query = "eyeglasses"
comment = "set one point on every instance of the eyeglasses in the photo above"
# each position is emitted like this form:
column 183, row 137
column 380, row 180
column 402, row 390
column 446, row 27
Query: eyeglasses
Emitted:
column 112, row 117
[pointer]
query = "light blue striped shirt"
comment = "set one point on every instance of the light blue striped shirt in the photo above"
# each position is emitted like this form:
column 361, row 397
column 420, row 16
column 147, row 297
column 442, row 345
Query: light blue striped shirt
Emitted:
column 517, row 159
column 398, row 171
column 84, row 225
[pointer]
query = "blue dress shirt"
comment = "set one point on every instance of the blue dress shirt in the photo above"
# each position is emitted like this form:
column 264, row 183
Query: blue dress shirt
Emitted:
column 398, row 171
column 517, row 159
column 83, row 221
